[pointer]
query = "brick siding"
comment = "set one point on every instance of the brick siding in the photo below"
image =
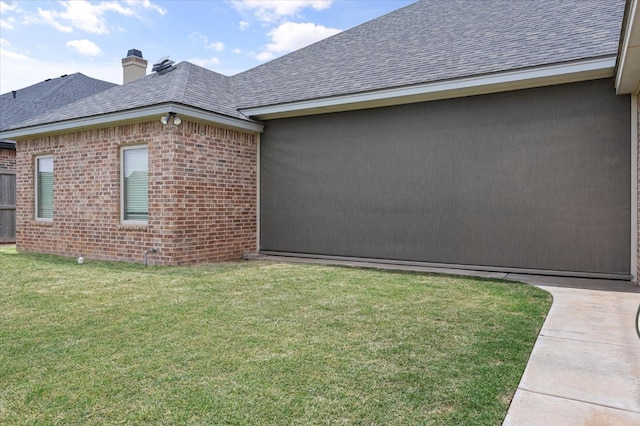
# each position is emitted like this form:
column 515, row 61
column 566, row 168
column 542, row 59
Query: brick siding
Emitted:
column 8, row 159
column 202, row 194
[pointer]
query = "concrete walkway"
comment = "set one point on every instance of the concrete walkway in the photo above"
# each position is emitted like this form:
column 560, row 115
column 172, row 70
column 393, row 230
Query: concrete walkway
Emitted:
column 585, row 365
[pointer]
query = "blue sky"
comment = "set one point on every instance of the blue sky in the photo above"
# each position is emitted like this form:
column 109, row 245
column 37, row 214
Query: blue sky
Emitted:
column 46, row 39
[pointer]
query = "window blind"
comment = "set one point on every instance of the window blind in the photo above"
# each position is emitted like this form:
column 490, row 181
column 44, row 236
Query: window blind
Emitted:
column 45, row 188
column 136, row 183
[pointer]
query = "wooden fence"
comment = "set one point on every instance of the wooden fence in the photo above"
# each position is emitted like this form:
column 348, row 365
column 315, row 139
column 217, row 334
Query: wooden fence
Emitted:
column 7, row 206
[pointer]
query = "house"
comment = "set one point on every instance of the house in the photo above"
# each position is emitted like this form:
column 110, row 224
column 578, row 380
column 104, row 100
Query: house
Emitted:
column 20, row 105
column 499, row 135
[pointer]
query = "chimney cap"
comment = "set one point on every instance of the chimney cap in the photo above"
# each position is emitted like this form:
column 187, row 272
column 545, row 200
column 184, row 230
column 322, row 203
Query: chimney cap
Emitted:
column 134, row 52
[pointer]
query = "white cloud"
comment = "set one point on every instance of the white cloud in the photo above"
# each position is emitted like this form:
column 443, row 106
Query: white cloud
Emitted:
column 6, row 7
column 7, row 54
column 65, row 16
column 15, row 66
column 243, row 25
column 205, row 63
column 85, row 47
column 90, row 17
column 197, row 37
column 7, row 24
column 146, row 4
column 218, row 46
column 272, row 10
column 236, row 50
column 13, row 55
column 265, row 56
column 291, row 36
column 48, row 17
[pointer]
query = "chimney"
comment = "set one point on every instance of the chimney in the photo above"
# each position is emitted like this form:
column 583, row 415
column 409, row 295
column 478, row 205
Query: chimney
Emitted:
column 133, row 66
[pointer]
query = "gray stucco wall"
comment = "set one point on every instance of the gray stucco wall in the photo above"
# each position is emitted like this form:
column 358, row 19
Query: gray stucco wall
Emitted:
column 534, row 179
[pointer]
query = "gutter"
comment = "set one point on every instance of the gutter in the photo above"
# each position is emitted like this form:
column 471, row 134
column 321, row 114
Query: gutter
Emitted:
column 628, row 64
column 569, row 72
column 120, row 117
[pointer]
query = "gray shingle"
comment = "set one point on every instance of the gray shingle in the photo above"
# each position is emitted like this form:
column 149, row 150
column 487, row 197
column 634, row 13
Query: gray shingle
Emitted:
column 428, row 41
column 187, row 84
column 435, row 40
column 46, row 96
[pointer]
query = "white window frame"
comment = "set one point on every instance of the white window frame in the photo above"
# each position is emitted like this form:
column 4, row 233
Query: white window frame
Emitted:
column 124, row 221
column 36, row 187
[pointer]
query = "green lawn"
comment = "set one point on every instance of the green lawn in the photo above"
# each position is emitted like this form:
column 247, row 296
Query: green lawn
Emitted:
column 257, row 343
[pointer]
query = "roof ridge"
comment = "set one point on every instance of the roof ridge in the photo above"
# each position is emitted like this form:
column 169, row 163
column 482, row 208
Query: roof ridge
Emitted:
column 63, row 79
column 177, row 90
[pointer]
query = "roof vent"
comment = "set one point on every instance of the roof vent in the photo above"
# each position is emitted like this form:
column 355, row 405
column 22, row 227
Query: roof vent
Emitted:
column 163, row 65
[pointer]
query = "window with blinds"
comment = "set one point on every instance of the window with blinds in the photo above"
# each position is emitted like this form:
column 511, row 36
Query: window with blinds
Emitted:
column 44, row 188
column 135, row 184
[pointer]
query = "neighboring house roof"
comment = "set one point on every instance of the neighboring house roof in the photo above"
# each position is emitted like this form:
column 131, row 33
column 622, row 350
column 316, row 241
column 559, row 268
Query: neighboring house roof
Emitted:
column 448, row 47
column 435, row 40
column 32, row 101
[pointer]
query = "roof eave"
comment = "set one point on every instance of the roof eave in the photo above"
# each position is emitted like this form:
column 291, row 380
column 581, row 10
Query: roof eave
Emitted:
column 121, row 117
column 628, row 69
column 569, row 72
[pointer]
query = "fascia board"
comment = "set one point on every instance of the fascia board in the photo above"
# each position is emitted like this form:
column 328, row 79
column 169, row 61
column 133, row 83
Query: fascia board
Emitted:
column 628, row 72
column 218, row 118
column 505, row 81
column 128, row 117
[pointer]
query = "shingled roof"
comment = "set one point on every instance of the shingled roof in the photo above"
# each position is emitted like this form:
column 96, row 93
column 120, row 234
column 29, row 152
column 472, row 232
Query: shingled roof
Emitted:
column 428, row 41
column 187, row 84
column 435, row 40
column 48, row 95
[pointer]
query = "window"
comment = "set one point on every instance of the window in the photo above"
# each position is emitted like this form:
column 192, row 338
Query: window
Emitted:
column 135, row 184
column 44, row 188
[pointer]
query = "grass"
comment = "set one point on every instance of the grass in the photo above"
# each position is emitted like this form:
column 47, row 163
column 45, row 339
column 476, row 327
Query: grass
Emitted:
column 257, row 343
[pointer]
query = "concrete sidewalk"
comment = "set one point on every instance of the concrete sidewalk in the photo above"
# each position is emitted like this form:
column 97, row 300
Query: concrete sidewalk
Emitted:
column 585, row 366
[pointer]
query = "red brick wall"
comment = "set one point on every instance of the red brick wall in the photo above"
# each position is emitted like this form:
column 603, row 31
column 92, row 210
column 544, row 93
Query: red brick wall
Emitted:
column 7, row 159
column 202, row 194
column 213, row 193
